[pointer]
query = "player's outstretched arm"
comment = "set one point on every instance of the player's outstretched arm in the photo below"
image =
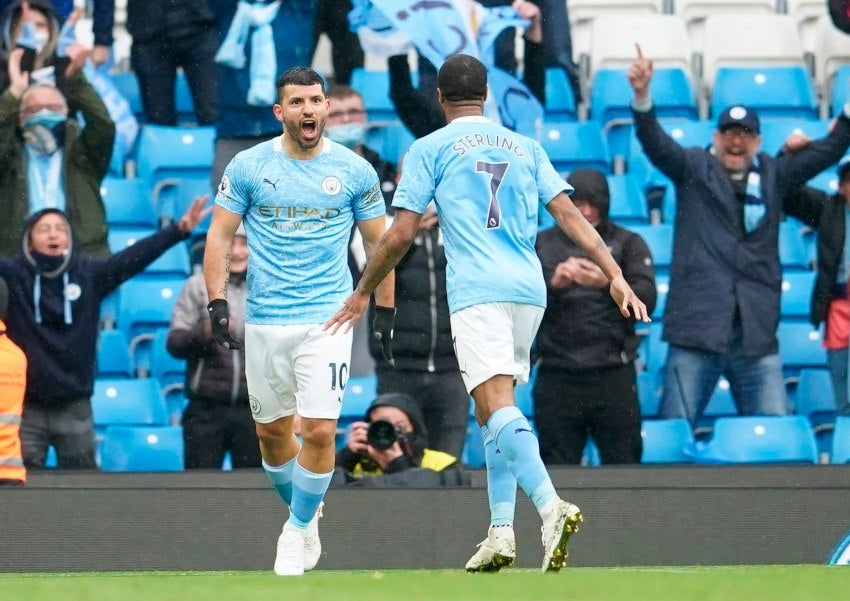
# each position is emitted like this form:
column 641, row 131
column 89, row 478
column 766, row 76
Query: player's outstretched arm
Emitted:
column 386, row 254
column 573, row 223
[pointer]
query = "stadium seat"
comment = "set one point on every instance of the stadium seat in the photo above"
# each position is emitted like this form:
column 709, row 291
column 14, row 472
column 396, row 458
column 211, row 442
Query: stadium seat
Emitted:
column 659, row 238
column 390, row 141
column 590, row 457
column 175, row 152
column 173, row 195
column 145, row 304
column 694, row 12
column 573, row 145
column 662, row 287
column 649, row 393
column 748, row 40
column 113, row 355
column 560, row 99
column 628, row 205
column 524, row 395
column 799, row 347
column 793, row 254
column 775, row 130
column 840, row 90
column 831, row 51
column 128, row 401
column 760, row 439
column 359, row 394
column 785, row 91
column 128, row 86
column 142, row 449
column 128, row 203
column 666, row 441
column 721, row 403
column 583, row 14
column 841, row 440
column 797, row 289
column 170, row 372
column 183, row 100
column 173, row 262
column 814, row 399
column 473, row 446
column 374, row 87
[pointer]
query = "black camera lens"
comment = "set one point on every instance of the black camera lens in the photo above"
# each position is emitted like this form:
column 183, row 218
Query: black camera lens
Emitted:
column 381, row 434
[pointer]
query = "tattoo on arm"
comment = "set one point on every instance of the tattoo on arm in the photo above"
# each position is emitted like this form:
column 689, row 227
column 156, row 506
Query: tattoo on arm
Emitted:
column 223, row 289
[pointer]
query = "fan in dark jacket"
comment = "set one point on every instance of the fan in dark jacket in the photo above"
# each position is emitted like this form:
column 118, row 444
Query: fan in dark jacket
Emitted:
column 830, row 297
column 586, row 381
column 723, row 306
column 54, row 309
column 218, row 418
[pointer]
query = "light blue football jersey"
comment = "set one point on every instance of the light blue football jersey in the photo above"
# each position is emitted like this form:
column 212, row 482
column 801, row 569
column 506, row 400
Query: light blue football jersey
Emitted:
column 487, row 183
column 298, row 216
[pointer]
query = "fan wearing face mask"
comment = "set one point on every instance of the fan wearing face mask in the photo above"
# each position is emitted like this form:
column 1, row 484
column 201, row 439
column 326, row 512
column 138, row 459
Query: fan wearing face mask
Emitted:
column 347, row 125
column 50, row 161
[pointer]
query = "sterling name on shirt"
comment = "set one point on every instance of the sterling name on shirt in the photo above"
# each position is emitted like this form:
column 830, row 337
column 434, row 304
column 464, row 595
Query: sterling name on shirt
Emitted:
column 468, row 142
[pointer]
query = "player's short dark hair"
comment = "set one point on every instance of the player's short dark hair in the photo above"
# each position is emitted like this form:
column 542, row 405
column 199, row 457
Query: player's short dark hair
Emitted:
column 298, row 76
column 462, row 77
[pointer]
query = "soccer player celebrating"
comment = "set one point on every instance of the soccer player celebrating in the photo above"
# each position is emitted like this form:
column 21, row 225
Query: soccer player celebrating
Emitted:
column 298, row 197
column 487, row 182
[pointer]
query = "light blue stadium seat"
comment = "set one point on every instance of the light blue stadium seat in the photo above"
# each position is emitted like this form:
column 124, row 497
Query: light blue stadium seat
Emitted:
column 128, row 203
column 128, row 86
column 721, row 403
column 142, row 449
column 573, row 145
column 786, row 91
column 826, row 181
column 144, row 305
column 667, row 441
column 374, row 87
column 662, row 288
column 796, row 294
column 840, row 91
column 359, row 393
column 760, row 439
column 128, row 401
column 390, row 141
column 113, row 355
column 793, row 253
column 560, row 100
column 800, row 347
column 173, row 195
column 473, row 447
column 649, row 393
column 611, row 96
column 841, row 440
column 590, row 457
column 775, row 130
column 814, row 398
column 173, row 262
column 170, row 372
column 659, row 238
column 524, row 394
column 183, row 101
column 175, row 152
column 628, row 204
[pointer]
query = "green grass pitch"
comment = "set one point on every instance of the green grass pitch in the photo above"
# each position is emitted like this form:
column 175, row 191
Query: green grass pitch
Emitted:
column 735, row 583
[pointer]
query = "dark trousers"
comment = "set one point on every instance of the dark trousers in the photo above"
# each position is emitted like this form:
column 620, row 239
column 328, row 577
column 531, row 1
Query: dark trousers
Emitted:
column 570, row 406
column 69, row 429
column 210, row 431
column 443, row 399
column 346, row 53
column 155, row 63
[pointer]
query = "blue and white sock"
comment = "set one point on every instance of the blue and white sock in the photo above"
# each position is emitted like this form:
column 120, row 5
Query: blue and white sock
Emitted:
column 281, row 479
column 308, row 490
column 501, row 484
column 518, row 444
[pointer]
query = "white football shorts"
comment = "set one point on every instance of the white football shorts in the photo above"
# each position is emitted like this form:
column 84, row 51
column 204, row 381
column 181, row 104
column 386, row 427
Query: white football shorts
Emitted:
column 494, row 339
column 293, row 368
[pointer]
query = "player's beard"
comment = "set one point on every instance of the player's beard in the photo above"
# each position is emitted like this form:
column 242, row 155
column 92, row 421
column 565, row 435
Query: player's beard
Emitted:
column 293, row 131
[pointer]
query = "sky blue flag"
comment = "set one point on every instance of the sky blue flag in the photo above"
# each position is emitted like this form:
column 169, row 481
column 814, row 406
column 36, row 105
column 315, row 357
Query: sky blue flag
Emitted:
column 439, row 30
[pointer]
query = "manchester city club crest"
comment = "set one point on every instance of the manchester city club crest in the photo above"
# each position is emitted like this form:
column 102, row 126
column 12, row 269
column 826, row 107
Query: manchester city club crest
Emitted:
column 255, row 404
column 331, row 185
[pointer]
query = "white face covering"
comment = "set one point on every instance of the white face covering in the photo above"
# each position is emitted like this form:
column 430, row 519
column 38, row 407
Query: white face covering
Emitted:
column 41, row 38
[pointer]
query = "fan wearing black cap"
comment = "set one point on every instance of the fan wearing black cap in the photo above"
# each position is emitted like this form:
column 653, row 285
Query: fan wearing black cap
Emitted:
column 586, row 381
column 830, row 302
column 388, row 448
column 725, row 279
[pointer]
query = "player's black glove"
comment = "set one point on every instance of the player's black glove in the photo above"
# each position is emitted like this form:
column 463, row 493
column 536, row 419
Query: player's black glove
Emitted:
column 382, row 331
column 220, row 324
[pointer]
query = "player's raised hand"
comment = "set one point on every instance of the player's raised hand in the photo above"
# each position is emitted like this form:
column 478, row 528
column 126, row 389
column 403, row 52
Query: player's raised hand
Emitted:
column 351, row 312
column 640, row 74
column 627, row 300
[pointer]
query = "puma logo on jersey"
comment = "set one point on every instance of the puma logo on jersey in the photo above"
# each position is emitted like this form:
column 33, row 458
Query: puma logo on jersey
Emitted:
column 273, row 184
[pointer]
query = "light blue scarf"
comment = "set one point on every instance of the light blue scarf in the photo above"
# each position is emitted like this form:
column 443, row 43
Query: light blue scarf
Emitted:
column 754, row 207
column 263, row 62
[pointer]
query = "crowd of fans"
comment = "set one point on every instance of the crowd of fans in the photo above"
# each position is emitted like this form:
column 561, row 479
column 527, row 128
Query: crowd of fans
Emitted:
column 56, row 142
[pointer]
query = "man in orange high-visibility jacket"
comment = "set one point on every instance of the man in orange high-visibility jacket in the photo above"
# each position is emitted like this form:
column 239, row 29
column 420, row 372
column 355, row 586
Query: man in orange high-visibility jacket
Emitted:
column 13, row 375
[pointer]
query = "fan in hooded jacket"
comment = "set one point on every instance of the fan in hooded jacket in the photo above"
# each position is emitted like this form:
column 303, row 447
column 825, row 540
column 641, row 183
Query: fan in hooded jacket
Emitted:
column 53, row 316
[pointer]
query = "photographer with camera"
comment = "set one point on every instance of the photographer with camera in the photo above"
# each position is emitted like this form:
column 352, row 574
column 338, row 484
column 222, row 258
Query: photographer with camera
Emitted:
column 389, row 449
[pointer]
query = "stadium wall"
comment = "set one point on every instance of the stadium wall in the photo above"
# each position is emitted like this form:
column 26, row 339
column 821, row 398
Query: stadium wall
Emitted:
column 634, row 516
